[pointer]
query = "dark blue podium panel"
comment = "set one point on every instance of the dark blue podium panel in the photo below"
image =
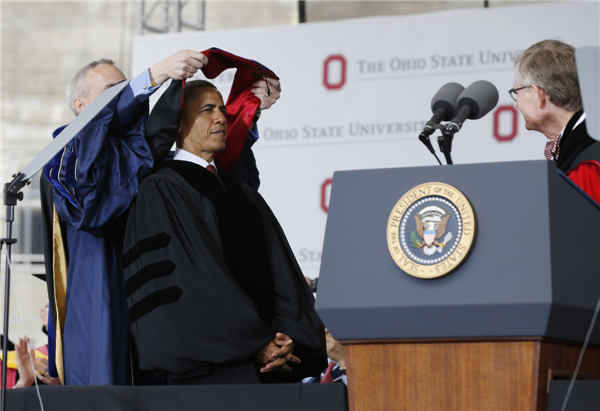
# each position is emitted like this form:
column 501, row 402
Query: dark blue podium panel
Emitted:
column 534, row 269
column 585, row 396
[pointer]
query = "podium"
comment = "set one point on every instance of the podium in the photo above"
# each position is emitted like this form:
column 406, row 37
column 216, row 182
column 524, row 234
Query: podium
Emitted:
column 492, row 334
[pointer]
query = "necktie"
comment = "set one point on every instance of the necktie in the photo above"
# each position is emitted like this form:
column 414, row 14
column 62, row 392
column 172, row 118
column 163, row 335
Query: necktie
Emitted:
column 212, row 169
column 328, row 376
column 552, row 148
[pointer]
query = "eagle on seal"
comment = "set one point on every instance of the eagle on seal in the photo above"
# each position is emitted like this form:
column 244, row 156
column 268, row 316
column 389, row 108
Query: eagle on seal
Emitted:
column 430, row 235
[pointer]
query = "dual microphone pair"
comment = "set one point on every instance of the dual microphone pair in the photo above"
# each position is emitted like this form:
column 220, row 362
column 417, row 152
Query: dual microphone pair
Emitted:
column 455, row 104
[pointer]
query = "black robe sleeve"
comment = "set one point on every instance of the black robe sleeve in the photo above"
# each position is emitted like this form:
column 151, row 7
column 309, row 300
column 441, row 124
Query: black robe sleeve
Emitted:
column 294, row 302
column 163, row 124
column 186, row 309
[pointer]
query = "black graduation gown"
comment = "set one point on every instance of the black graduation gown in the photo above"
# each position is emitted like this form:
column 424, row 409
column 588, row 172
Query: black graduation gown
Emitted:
column 191, row 305
column 576, row 146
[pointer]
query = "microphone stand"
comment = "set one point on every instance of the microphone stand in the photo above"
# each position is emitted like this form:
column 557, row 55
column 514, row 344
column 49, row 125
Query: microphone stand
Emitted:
column 13, row 194
column 445, row 143
column 424, row 137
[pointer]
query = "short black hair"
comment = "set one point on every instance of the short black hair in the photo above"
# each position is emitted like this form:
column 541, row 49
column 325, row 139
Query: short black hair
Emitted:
column 192, row 86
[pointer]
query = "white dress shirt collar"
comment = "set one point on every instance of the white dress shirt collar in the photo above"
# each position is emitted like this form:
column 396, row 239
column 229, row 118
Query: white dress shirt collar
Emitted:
column 182, row 155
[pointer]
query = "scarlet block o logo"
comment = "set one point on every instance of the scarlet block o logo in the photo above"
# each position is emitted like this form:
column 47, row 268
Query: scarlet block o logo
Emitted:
column 330, row 63
column 325, row 191
column 515, row 121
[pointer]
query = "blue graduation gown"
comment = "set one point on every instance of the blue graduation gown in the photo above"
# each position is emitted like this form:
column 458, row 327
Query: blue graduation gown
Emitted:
column 95, row 179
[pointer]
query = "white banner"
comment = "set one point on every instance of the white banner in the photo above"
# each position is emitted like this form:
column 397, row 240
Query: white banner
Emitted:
column 356, row 94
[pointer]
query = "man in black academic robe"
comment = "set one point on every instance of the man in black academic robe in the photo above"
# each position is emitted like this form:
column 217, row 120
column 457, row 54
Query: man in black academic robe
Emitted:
column 546, row 90
column 215, row 294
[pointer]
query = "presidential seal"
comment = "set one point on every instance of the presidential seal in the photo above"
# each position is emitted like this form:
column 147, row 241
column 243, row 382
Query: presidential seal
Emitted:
column 431, row 230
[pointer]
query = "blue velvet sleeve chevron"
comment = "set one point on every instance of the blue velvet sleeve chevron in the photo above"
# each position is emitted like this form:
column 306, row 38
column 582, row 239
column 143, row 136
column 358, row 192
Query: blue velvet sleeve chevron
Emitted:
column 96, row 176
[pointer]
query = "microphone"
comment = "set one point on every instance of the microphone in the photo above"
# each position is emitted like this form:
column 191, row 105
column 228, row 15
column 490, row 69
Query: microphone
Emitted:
column 474, row 102
column 443, row 106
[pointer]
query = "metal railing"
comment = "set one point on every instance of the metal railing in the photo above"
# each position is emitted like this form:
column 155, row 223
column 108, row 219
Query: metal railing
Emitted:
column 165, row 16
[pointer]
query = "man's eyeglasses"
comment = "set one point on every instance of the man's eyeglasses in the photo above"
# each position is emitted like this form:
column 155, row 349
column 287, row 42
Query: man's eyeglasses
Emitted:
column 513, row 92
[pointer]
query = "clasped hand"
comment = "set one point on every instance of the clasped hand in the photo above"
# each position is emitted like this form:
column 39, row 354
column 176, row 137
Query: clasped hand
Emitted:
column 277, row 355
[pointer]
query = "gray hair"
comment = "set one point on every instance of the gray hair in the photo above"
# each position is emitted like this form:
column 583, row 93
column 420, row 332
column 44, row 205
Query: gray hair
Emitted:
column 75, row 88
column 550, row 65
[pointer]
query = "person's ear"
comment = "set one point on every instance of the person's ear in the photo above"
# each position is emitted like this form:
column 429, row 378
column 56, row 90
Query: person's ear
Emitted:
column 79, row 104
column 541, row 96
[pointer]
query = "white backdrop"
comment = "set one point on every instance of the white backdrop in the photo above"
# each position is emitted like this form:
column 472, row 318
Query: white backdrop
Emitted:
column 357, row 92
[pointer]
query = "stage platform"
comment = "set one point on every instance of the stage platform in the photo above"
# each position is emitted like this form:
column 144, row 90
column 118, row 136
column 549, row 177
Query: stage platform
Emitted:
column 289, row 397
